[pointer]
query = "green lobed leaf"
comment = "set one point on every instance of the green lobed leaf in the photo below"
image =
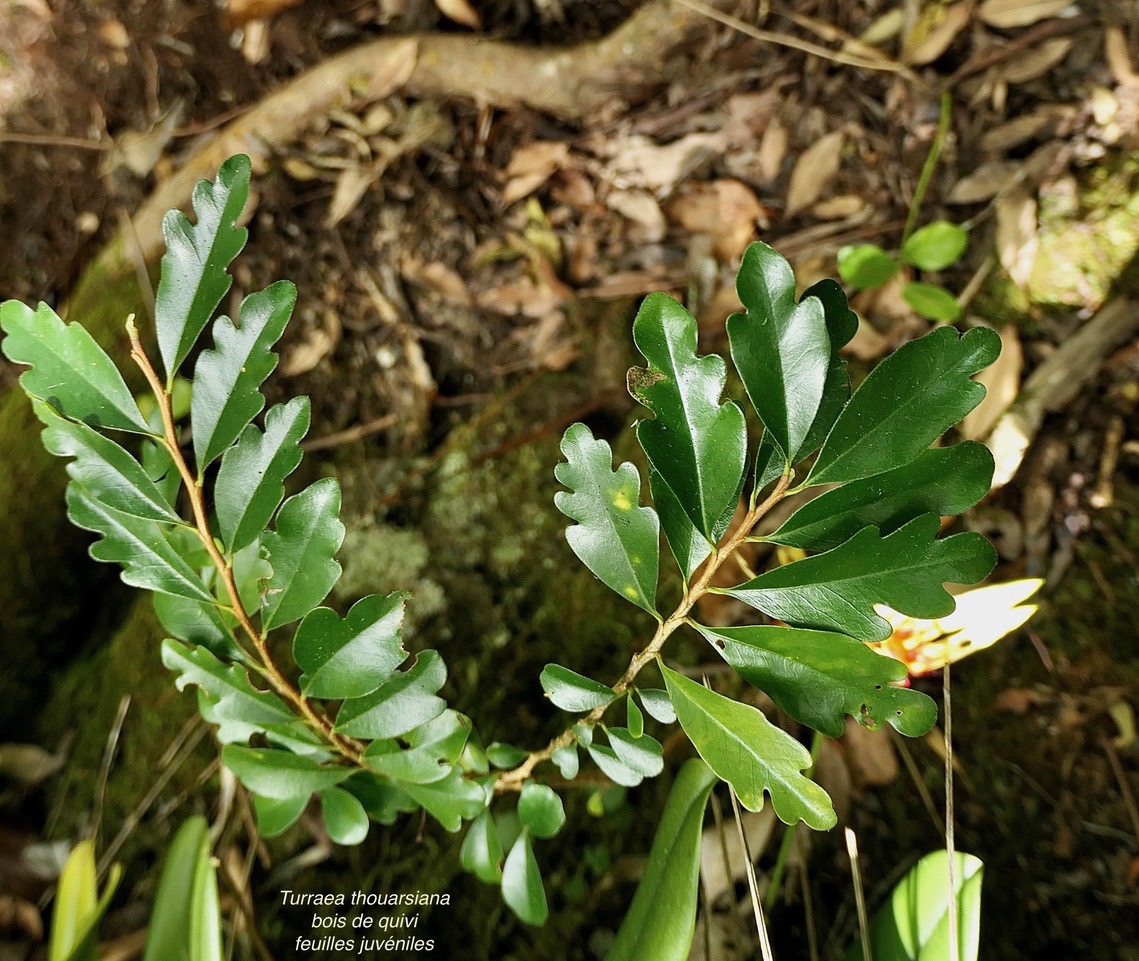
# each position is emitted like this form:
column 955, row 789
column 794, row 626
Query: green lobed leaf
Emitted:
column 353, row 656
column 226, row 395
column 749, row 752
column 687, row 544
column 935, row 246
column 68, row 370
column 696, row 444
column 280, row 774
column 818, row 677
column 943, row 480
column 572, row 691
column 251, row 481
column 540, row 810
column 481, row 853
column 405, row 701
column 275, row 816
column 780, row 348
column 662, row 918
column 143, row 548
column 194, row 277
column 344, row 816
column 656, row 702
column 169, row 924
column 931, row 301
column 615, row 768
column 842, row 325
column 866, row 266
column 301, row 551
column 905, row 570
column 643, row 754
column 434, row 748
column 906, row 403
column 451, row 801
column 613, row 537
column 522, row 883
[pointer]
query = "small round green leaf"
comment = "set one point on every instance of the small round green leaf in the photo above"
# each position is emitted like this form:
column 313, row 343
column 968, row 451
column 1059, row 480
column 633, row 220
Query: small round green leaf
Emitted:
column 572, row 691
column 540, row 810
column 481, row 853
column 643, row 754
column 936, row 246
column 567, row 761
column 865, row 266
column 931, row 301
column 504, row 755
column 656, row 702
column 344, row 816
column 522, row 883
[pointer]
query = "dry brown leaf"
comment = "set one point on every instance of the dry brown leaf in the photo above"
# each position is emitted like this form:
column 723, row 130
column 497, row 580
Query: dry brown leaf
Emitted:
column 1018, row 130
column 934, row 31
column 1037, row 61
column 726, row 210
column 713, row 314
column 1001, row 381
column 839, row 208
column 351, row 185
column 393, row 71
column 28, row 763
column 1118, row 57
column 1006, row 14
column 870, row 755
column 772, row 150
column 718, row 878
column 20, row 919
column 1017, row 700
column 437, row 276
column 884, row 28
column 531, row 166
column 639, row 162
column 984, row 183
column 318, row 344
column 461, row 12
column 641, row 208
column 114, row 34
column 636, row 283
column 574, row 189
column 524, row 298
column 1017, row 239
column 240, row 12
column 814, row 171
column 867, row 344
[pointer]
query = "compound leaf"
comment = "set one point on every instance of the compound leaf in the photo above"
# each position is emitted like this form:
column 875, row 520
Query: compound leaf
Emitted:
column 194, row 277
column 522, row 883
column 817, row 677
column 68, row 369
column 749, row 752
column 403, row 702
column 198, row 622
column 613, row 537
column 696, row 444
column 226, row 397
column 280, row 774
column 906, row 403
column 572, row 691
column 780, row 347
column 301, row 551
column 905, row 570
column 353, row 656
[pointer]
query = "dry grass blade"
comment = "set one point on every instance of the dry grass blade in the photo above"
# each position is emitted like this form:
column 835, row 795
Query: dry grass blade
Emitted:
column 950, row 838
column 1006, row 14
column 859, row 893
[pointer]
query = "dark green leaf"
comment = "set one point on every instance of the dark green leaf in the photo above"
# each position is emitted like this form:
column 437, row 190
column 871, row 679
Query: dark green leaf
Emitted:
column 159, row 467
column 68, row 369
column 931, row 301
column 634, row 719
column 540, row 810
column 616, row 539
column 354, row 656
column 817, row 677
column 687, row 544
column 344, row 816
column 573, row 692
column 280, row 774
column 226, row 379
column 142, row 547
column 522, row 883
column 906, row 403
column 656, row 702
column 567, row 761
column 613, row 767
column 276, row 816
column 643, row 754
column 505, row 756
column 197, row 622
column 434, row 748
column 251, row 482
column 382, row 798
column 481, row 853
column 662, row 917
column 936, row 246
column 170, row 917
column 194, row 277
column 943, row 480
column 865, row 266
column 749, row 752
column 451, row 801
column 780, row 348
column 904, row 570
column 842, row 325
column 301, row 551
column 696, row 444
column 404, row 702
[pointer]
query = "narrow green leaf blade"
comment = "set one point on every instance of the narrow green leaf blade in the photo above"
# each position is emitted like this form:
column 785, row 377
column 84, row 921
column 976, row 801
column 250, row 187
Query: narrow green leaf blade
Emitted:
column 866, row 266
column 226, row 395
column 170, row 917
column 662, row 917
column 540, row 810
column 780, row 348
column 634, row 719
column 481, row 853
column 905, row 570
column 344, row 817
column 280, row 774
column 572, row 691
column 194, row 277
column 68, row 369
column 613, row 537
column 76, row 897
column 400, row 704
column 204, row 933
column 522, row 883
column 943, row 480
column 749, row 752
column 906, row 403
column 696, row 444
column 301, row 550
column 818, row 677
column 935, row 246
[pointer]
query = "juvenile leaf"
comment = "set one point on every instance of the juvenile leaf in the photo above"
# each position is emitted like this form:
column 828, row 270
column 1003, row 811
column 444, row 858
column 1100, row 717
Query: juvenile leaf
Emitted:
column 613, row 767
column 170, row 917
column 251, row 482
column 354, row 656
column 634, row 719
column 238, row 708
column 567, row 761
column 68, row 370
column 656, row 702
column 275, row 817
column 226, row 397
column 662, row 917
column 451, row 801
column 148, row 558
column 301, row 551
column 344, row 816
column 481, row 853
column 906, row 403
column 943, row 480
column 904, row 570
column 522, row 883
column 935, row 246
column 194, row 277
column 382, row 798
column 540, row 810
column 817, row 677
column 842, row 325
column 643, row 754
column 435, row 747
column 696, row 444
column 103, row 468
column 573, row 692
column 780, row 347
column 280, row 774
column 749, row 752
column 613, row 537
column 504, row 756
column 687, row 544
column 400, row 704
column 931, row 301
column 866, row 266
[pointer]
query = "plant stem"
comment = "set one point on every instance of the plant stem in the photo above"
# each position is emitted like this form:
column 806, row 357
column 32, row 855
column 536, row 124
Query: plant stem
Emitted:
column 928, row 166
column 513, row 780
